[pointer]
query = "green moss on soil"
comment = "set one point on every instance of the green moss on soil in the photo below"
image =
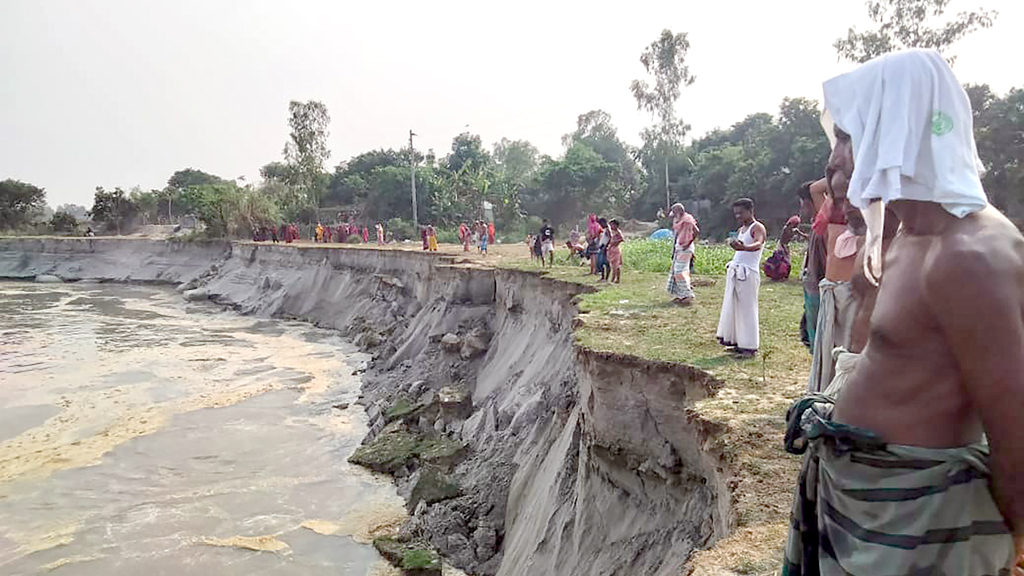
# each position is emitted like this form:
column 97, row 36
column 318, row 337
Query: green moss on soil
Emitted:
column 396, row 446
column 420, row 558
column 400, row 408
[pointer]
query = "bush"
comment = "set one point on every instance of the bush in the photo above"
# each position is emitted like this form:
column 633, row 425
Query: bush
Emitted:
column 354, row 239
column 63, row 222
column 399, row 229
column 448, row 236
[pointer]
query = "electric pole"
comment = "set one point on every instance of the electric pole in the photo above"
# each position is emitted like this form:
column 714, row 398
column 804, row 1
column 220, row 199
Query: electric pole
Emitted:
column 412, row 181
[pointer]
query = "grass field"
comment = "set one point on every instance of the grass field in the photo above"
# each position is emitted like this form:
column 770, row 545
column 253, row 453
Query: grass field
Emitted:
column 636, row 317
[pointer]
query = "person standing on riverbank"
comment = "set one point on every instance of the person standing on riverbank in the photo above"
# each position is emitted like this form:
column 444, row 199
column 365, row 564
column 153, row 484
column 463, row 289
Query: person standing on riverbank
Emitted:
column 738, row 324
column 603, row 239
column 812, row 196
column 482, row 231
column 915, row 460
column 547, row 243
column 686, row 233
column 432, row 238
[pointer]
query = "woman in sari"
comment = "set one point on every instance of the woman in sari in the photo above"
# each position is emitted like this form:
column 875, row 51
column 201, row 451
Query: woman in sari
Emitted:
column 432, row 238
column 686, row 233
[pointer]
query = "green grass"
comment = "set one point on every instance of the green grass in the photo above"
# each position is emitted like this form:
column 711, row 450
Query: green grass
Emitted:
column 645, row 255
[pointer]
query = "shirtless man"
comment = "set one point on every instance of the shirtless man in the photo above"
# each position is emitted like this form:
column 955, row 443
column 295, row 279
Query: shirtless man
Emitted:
column 919, row 469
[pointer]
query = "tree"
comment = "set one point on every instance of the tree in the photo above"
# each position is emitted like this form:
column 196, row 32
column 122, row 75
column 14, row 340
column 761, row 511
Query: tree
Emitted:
column 307, row 152
column 515, row 165
column 216, row 205
column 277, row 172
column 112, row 208
column 19, row 201
column 63, row 222
column 665, row 60
column 467, row 152
column 999, row 133
column 580, row 180
column 79, row 212
column 189, row 177
column 595, row 130
column 910, row 24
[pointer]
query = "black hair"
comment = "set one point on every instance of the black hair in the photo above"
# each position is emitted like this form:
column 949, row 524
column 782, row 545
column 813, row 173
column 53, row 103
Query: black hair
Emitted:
column 602, row 222
column 805, row 190
column 745, row 203
column 614, row 221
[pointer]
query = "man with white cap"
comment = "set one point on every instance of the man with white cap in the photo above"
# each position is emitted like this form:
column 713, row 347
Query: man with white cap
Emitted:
column 918, row 466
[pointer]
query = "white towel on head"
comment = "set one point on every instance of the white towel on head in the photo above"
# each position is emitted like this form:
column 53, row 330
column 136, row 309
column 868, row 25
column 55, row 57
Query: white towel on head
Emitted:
column 912, row 131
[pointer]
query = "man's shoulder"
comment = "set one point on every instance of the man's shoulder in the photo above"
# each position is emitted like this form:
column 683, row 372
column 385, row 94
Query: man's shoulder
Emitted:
column 984, row 248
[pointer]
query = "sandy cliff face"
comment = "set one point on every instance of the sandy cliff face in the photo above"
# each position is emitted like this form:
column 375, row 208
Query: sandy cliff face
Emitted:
column 576, row 462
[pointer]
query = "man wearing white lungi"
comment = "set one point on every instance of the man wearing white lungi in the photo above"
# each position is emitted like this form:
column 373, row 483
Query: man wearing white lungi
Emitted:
column 738, row 325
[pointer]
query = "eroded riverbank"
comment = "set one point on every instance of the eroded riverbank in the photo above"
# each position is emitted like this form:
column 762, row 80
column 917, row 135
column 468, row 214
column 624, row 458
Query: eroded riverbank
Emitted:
column 575, row 462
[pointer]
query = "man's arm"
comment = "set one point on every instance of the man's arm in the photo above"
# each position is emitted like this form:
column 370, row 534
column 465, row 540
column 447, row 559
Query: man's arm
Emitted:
column 818, row 190
column 975, row 293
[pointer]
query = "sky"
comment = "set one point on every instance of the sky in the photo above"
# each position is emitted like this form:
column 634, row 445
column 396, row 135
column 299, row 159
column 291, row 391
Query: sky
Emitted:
column 123, row 92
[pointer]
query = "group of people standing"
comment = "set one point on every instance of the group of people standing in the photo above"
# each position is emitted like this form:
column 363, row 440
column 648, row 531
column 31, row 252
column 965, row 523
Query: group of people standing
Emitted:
column 340, row 233
column 480, row 234
column 603, row 248
column 320, row 234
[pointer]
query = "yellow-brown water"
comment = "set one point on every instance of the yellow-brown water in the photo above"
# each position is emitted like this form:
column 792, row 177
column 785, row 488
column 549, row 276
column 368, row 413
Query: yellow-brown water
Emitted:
column 140, row 434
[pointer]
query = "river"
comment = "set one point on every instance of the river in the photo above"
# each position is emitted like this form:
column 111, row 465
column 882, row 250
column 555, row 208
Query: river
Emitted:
column 142, row 434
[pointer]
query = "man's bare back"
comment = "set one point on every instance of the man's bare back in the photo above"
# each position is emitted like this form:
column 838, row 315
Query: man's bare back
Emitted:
column 910, row 387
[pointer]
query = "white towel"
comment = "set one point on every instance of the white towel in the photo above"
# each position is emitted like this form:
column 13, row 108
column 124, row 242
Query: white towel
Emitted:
column 912, row 132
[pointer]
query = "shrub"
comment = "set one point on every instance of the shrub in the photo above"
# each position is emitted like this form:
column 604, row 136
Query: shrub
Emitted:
column 448, row 236
column 63, row 222
column 399, row 229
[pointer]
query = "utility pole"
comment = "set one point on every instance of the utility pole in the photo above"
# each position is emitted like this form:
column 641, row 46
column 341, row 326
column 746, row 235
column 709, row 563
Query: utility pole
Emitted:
column 412, row 175
column 668, row 195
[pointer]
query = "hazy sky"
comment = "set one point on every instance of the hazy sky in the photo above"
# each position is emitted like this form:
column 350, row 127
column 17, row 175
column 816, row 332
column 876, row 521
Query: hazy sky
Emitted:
column 125, row 92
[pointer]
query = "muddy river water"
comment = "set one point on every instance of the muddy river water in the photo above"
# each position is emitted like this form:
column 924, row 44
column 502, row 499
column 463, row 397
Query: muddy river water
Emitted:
column 142, row 434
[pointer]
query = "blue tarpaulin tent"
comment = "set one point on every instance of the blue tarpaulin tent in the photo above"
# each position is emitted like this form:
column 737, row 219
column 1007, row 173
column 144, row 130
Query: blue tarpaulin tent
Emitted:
column 662, row 234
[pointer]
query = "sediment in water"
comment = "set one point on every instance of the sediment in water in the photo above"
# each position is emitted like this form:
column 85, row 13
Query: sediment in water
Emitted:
column 568, row 461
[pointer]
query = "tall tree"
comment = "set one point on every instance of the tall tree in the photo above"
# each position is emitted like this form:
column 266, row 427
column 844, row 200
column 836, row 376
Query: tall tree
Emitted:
column 910, row 24
column 307, row 150
column 515, row 165
column 113, row 208
column 594, row 129
column 665, row 61
column 19, row 201
column 467, row 152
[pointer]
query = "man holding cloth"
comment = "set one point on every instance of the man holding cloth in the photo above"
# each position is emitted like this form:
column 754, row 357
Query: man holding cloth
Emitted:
column 915, row 463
